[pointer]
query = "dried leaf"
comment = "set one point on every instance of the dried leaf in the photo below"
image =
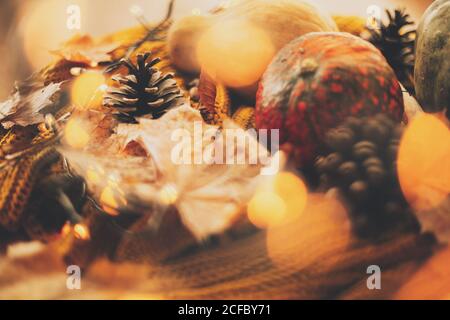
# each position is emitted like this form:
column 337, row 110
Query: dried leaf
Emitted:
column 83, row 49
column 24, row 110
column 214, row 100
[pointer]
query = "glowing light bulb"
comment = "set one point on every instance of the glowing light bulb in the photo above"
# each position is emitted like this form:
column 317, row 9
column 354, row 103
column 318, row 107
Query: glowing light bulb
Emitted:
column 88, row 90
column 76, row 134
column 278, row 200
column 81, row 231
column 66, row 229
column 108, row 197
column 112, row 198
column 294, row 193
column 76, row 71
column 93, row 176
column 266, row 209
column 168, row 195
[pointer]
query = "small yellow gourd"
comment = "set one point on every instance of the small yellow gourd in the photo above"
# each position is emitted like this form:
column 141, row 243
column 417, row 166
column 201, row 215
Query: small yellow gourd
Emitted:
column 235, row 45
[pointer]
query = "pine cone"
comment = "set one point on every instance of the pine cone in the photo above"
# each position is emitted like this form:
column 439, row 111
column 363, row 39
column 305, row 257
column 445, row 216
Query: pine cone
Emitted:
column 397, row 45
column 144, row 92
column 361, row 165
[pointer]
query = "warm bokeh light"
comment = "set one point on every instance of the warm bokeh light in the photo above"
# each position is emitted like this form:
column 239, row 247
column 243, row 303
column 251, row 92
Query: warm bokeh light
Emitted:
column 266, row 209
column 424, row 162
column 94, row 176
column 321, row 230
column 76, row 133
column 66, row 229
column 44, row 29
column 112, row 198
column 108, row 197
column 235, row 53
column 81, row 231
column 278, row 200
column 168, row 194
column 88, row 90
column 294, row 193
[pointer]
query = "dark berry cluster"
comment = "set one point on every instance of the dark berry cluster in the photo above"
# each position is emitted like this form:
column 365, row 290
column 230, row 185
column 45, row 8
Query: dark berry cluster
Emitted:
column 360, row 163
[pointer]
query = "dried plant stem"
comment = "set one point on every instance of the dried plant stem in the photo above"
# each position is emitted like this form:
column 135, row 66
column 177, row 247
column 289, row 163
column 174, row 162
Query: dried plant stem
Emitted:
column 149, row 36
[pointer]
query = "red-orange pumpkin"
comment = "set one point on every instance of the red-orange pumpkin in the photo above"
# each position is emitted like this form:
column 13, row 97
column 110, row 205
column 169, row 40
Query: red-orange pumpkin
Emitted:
column 318, row 80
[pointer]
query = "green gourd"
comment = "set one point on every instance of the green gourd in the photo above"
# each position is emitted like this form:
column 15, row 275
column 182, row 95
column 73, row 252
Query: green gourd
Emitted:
column 432, row 67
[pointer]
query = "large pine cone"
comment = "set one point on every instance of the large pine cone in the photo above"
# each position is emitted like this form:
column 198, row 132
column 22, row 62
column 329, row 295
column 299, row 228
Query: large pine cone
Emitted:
column 360, row 163
column 144, row 92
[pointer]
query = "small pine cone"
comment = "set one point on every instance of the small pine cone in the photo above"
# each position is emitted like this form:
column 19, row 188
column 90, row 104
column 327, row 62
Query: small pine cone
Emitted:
column 144, row 92
column 360, row 163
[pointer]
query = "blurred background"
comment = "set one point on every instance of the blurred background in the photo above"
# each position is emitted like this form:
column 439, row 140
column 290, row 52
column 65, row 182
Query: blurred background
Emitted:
column 29, row 29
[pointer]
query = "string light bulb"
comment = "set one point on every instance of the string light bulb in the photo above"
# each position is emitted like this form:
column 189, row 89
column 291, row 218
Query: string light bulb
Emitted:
column 168, row 194
column 81, row 231
column 88, row 90
column 279, row 200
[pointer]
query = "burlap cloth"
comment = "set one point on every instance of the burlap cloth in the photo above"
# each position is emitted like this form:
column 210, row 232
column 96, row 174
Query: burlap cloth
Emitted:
column 316, row 259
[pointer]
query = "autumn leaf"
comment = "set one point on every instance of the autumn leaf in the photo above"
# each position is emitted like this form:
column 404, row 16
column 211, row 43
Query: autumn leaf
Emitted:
column 83, row 49
column 214, row 100
column 23, row 107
